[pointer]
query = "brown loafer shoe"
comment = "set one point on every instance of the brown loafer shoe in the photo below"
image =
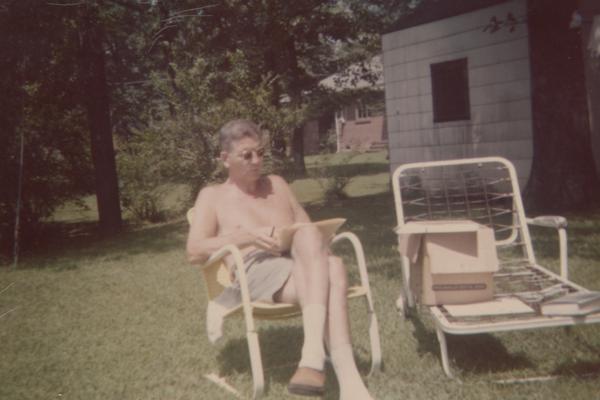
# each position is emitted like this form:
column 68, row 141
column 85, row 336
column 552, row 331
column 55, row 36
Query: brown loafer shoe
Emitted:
column 307, row 382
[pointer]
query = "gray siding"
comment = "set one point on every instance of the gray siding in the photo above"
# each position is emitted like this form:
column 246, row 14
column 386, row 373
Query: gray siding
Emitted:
column 499, row 90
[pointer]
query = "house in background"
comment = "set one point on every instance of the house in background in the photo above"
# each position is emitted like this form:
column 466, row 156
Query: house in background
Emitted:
column 458, row 83
column 359, row 125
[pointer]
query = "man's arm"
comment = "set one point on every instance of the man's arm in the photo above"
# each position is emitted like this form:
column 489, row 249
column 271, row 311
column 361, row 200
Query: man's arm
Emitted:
column 202, row 237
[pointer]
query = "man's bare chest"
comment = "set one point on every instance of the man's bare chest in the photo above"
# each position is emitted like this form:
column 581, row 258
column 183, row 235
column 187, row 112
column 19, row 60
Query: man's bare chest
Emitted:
column 251, row 212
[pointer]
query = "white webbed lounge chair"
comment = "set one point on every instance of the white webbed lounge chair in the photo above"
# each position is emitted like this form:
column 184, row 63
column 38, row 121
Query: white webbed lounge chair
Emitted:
column 484, row 190
column 217, row 278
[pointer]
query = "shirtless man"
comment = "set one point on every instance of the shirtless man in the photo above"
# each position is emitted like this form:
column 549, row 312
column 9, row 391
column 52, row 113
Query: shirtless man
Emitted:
column 247, row 210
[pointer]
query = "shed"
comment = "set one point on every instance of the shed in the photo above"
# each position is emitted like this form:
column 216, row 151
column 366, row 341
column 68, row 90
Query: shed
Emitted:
column 458, row 81
column 454, row 89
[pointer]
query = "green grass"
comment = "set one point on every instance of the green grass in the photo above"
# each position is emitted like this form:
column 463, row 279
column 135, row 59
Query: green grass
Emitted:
column 123, row 318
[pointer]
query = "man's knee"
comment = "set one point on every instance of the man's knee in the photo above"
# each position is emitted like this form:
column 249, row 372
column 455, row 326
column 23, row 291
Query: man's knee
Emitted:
column 308, row 242
column 337, row 272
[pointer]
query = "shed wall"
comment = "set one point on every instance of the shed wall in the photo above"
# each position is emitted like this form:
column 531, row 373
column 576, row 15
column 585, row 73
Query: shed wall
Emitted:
column 499, row 89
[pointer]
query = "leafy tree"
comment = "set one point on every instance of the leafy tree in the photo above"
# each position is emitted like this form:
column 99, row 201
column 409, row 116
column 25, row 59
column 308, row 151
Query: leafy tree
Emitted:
column 68, row 67
column 62, row 67
column 179, row 145
column 37, row 104
column 298, row 43
column 78, row 73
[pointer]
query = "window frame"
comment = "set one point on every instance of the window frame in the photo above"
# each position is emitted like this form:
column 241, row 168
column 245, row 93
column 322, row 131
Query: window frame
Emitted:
column 450, row 90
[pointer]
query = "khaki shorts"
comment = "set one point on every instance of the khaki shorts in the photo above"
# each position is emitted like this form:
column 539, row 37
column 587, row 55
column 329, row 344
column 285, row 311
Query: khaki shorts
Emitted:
column 266, row 275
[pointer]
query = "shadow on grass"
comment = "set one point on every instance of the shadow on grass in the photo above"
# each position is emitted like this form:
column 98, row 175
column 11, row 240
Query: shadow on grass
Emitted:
column 579, row 369
column 481, row 353
column 280, row 347
column 280, row 351
column 78, row 241
column 583, row 241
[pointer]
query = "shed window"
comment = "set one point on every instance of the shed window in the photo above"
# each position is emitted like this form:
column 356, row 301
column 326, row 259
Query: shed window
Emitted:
column 450, row 90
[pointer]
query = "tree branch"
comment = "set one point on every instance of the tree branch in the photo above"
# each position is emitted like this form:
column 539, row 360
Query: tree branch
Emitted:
column 129, row 5
column 6, row 288
column 8, row 312
column 79, row 3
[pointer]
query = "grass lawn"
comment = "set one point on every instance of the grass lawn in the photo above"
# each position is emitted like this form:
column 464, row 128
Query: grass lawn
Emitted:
column 123, row 318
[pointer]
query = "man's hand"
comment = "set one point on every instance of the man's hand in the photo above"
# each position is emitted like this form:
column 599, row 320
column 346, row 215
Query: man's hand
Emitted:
column 267, row 238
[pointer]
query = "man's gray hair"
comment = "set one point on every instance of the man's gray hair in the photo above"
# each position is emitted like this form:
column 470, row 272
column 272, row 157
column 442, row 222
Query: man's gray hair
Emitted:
column 236, row 130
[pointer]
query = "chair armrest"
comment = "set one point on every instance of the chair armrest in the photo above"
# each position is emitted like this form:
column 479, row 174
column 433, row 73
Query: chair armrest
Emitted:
column 223, row 252
column 548, row 221
column 238, row 262
column 360, row 260
column 560, row 224
column 358, row 251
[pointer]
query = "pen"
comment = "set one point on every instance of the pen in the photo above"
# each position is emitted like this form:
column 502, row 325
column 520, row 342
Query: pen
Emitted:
column 272, row 231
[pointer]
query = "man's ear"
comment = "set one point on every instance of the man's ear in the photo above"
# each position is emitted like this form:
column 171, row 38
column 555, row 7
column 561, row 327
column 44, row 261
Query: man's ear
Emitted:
column 224, row 156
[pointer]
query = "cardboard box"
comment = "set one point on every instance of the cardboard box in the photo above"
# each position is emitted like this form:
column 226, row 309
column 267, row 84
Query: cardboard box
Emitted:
column 452, row 262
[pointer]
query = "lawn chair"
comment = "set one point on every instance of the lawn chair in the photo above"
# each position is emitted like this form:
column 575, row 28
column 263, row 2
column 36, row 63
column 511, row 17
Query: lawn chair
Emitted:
column 217, row 278
column 486, row 191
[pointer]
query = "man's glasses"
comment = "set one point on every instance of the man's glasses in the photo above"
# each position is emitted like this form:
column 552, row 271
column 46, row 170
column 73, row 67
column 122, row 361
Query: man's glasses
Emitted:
column 248, row 154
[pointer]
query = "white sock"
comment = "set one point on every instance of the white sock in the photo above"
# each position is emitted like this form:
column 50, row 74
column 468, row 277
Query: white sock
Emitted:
column 215, row 313
column 351, row 384
column 313, row 352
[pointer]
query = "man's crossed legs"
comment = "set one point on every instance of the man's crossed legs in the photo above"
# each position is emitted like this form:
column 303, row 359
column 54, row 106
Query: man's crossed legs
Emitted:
column 319, row 284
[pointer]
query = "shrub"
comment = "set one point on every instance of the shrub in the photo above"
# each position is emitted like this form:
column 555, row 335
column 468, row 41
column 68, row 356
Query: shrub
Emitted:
column 56, row 169
column 332, row 182
column 328, row 142
column 180, row 143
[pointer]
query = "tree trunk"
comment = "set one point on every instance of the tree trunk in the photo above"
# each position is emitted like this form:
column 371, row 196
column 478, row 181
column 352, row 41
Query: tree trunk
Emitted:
column 563, row 175
column 298, row 150
column 97, row 103
column 296, row 97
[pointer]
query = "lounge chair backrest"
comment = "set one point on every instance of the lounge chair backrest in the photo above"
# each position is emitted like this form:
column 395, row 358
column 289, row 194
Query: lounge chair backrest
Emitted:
column 484, row 190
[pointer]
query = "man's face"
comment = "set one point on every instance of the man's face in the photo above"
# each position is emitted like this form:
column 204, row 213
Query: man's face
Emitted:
column 244, row 158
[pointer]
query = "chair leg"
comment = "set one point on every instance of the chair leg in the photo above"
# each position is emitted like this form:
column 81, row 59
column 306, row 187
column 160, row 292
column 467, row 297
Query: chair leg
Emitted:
column 375, row 343
column 256, row 364
column 444, row 352
column 409, row 300
column 402, row 305
column 364, row 280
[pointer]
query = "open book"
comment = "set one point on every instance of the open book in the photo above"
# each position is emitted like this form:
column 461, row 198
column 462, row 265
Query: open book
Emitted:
column 328, row 227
